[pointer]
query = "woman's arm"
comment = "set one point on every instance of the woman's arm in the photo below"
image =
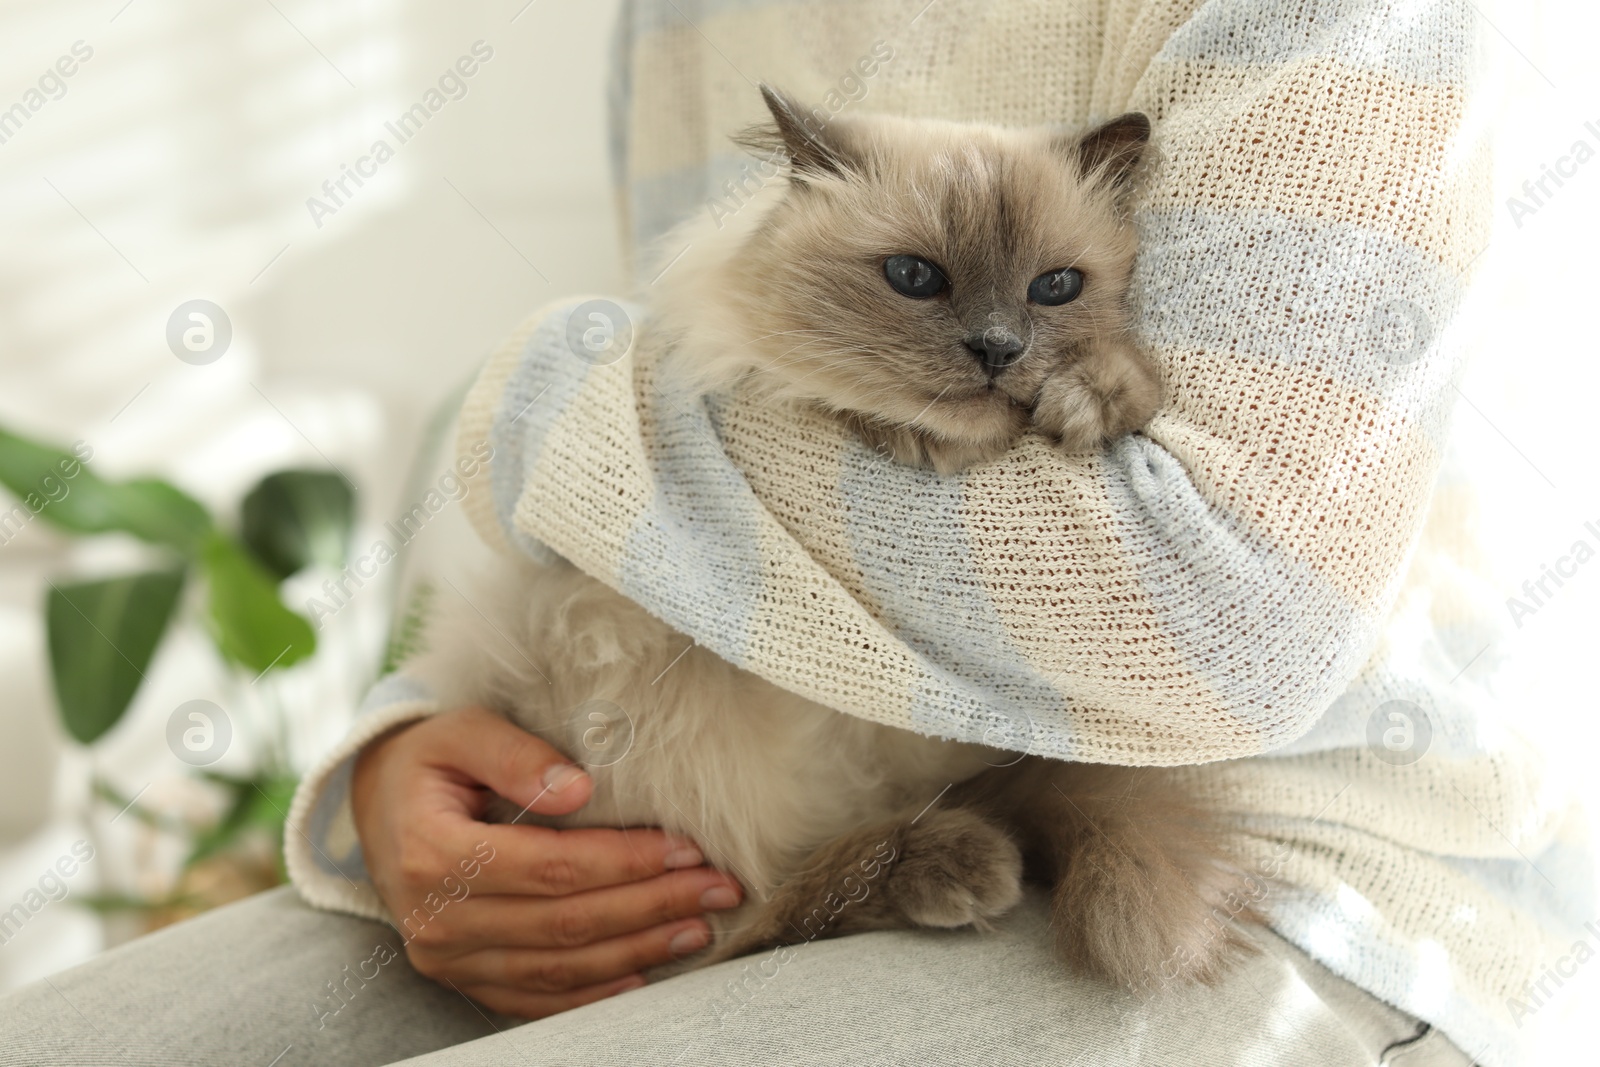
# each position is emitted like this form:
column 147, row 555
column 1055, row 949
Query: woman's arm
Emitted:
column 1202, row 591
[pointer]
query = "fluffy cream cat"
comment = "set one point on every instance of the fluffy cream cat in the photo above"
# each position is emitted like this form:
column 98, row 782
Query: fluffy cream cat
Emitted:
column 942, row 289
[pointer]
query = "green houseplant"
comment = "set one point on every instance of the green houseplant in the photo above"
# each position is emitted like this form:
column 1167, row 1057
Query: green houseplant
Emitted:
column 102, row 634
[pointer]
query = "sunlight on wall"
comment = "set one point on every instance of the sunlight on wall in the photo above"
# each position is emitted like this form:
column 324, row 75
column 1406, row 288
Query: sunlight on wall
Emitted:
column 176, row 161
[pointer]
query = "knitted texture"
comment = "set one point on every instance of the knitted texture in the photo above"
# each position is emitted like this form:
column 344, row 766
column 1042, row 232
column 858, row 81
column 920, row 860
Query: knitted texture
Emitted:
column 1275, row 561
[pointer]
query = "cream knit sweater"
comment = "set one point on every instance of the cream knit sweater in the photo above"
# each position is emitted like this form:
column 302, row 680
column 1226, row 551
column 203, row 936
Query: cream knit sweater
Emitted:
column 1244, row 580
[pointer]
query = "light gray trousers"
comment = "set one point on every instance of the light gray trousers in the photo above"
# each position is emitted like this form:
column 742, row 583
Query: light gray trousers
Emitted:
column 254, row 984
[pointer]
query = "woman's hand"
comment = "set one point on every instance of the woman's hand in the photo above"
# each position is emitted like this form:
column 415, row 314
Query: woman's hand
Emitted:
column 546, row 919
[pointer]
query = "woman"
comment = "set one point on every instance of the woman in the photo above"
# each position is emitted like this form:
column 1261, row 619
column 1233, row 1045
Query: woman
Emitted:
column 1319, row 189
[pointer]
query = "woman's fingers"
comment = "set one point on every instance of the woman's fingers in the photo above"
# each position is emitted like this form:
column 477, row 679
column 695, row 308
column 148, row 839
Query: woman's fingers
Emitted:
column 539, row 861
column 584, row 918
column 581, row 918
column 599, row 914
column 526, row 1005
column 562, row 970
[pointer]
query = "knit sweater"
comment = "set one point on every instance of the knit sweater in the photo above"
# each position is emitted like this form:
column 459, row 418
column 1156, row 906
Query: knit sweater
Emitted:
column 1273, row 580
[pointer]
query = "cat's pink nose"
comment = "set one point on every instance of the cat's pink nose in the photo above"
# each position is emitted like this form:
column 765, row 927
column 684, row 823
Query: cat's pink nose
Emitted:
column 996, row 348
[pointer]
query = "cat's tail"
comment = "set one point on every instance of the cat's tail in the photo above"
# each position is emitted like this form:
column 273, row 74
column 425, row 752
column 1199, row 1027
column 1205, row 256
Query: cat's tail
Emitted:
column 1145, row 892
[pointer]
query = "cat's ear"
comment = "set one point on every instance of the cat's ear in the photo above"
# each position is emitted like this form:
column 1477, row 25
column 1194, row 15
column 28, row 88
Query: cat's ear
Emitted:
column 797, row 134
column 1113, row 149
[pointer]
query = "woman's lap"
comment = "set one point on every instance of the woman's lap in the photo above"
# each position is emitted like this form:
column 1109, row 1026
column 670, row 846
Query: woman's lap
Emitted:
column 238, row 986
column 256, row 983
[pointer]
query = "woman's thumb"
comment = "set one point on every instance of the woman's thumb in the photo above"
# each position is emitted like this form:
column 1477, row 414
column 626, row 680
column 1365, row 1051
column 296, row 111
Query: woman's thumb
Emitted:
column 512, row 762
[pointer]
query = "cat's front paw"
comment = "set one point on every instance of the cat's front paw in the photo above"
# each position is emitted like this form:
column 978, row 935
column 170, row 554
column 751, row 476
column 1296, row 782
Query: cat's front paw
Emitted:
column 914, row 447
column 956, row 868
column 1111, row 391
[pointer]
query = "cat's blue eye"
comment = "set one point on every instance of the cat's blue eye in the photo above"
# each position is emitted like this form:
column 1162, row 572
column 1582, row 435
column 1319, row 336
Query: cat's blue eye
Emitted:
column 914, row 276
column 1056, row 287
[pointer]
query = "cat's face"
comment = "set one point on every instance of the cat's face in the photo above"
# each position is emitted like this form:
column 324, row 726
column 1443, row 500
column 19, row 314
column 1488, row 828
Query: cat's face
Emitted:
column 933, row 275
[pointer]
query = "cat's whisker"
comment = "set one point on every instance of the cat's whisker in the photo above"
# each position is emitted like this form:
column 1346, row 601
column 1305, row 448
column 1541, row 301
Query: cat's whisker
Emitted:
column 807, row 344
column 935, row 400
column 778, row 333
column 839, row 348
column 782, row 359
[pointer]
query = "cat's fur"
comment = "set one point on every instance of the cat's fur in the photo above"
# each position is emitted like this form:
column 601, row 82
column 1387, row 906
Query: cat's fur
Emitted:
column 831, row 822
column 768, row 783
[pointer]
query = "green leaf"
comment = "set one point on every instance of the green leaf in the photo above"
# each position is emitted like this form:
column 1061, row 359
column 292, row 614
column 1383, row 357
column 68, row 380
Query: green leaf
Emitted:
column 119, row 903
column 156, row 820
column 295, row 518
column 250, row 624
column 157, row 511
column 102, row 636
column 54, row 485
column 260, row 803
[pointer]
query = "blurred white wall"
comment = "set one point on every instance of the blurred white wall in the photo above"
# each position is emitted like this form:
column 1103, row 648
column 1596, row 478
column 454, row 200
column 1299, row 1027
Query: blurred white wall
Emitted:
column 1530, row 402
column 175, row 163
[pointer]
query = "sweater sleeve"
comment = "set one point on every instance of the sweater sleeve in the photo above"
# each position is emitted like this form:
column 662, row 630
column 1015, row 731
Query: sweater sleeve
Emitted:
column 321, row 849
column 1322, row 190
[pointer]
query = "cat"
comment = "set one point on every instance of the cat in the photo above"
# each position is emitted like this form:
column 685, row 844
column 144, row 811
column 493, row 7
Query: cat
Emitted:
column 941, row 289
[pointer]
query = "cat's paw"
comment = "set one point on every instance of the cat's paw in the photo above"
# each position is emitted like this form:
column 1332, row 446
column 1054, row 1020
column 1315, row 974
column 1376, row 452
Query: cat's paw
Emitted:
column 914, row 447
column 1111, row 391
column 956, row 868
